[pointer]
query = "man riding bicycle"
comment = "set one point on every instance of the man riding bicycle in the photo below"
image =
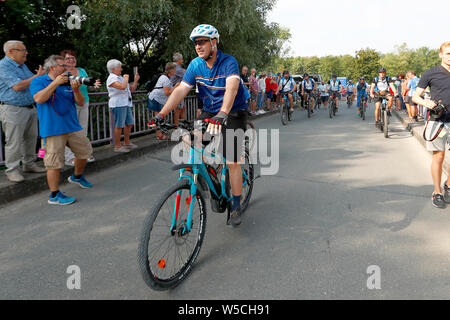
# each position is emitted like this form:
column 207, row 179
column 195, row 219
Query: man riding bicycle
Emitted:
column 308, row 87
column 287, row 85
column 216, row 75
column 381, row 85
column 350, row 89
column 361, row 91
column 335, row 88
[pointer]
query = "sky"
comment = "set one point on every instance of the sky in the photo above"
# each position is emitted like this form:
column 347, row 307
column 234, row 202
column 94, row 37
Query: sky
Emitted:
column 338, row 27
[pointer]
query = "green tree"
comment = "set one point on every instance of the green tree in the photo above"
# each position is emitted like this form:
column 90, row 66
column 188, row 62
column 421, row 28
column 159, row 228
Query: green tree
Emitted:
column 366, row 63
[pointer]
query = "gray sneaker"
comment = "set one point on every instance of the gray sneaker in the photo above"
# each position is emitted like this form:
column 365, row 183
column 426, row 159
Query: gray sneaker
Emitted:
column 15, row 177
column 446, row 193
column 437, row 200
column 235, row 218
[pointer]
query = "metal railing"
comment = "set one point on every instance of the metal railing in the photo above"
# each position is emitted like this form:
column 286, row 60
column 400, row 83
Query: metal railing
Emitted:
column 101, row 119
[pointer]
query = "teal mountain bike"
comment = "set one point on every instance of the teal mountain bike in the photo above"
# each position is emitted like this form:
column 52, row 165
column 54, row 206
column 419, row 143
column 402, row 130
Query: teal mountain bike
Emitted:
column 174, row 229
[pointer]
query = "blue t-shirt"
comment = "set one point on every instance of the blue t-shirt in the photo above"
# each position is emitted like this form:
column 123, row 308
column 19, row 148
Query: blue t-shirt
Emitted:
column 11, row 73
column 58, row 115
column 412, row 85
column 361, row 88
column 211, row 83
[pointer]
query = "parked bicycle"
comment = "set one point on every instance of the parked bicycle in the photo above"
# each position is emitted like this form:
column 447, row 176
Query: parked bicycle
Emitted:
column 174, row 229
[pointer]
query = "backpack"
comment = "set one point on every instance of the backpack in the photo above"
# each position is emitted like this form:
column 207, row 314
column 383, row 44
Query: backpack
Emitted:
column 311, row 81
column 338, row 83
column 388, row 80
column 150, row 85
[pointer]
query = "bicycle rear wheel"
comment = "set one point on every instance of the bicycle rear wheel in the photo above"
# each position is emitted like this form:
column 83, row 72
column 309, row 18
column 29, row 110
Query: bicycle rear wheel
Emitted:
column 248, row 172
column 166, row 256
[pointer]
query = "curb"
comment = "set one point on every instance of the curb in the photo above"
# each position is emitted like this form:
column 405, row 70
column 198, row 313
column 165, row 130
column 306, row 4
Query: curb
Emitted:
column 105, row 158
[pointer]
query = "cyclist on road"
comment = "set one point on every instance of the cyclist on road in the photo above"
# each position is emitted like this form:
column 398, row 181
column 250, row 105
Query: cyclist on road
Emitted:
column 335, row 87
column 287, row 85
column 308, row 86
column 381, row 85
column 324, row 95
column 361, row 91
column 350, row 89
column 224, row 102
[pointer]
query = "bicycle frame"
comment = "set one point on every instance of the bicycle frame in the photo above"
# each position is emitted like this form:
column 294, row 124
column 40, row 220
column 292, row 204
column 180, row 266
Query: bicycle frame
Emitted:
column 198, row 167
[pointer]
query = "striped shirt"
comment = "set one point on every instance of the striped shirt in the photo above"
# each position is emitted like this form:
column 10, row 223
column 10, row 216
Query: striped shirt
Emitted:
column 211, row 83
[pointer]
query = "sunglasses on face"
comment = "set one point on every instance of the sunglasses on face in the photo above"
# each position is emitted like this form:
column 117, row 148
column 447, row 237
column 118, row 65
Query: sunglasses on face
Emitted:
column 200, row 42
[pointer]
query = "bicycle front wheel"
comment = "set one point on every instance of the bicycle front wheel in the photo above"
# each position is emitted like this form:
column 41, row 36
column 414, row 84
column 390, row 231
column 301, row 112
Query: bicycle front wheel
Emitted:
column 166, row 254
column 283, row 113
column 385, row 124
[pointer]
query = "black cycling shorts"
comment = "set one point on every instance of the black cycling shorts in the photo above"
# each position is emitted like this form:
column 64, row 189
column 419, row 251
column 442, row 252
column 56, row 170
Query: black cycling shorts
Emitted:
column 235, row 121
column 380, row 98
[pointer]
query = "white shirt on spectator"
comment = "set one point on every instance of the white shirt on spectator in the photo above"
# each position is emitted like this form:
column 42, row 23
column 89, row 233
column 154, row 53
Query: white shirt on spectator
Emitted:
column 158, row 94
column 262, row 85
column 117, row 97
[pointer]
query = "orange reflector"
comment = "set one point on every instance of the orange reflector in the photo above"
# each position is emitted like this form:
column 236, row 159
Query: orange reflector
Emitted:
column 162, row 263
column 188, row 201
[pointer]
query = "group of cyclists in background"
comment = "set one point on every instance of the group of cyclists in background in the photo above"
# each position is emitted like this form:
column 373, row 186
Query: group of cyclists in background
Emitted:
column 313, row 93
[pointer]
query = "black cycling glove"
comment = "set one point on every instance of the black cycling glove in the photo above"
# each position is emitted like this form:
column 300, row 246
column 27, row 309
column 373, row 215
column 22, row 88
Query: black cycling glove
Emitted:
column 219, row 119
column 158, row 120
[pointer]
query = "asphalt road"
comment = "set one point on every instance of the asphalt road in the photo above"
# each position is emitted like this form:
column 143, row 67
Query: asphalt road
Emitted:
column 344, row 199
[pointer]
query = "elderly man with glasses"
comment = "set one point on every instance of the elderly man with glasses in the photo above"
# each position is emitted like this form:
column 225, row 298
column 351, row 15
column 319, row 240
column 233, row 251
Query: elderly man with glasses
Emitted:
column 17, row 113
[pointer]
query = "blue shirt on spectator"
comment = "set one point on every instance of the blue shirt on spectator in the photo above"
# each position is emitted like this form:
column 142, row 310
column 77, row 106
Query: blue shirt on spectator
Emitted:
column 211, row 83
column 11, row 73
column 412, row 85
column 58, row 115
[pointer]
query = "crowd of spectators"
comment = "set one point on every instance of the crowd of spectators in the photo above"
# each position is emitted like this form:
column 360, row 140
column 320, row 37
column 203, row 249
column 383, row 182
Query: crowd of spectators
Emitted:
column 53, row 104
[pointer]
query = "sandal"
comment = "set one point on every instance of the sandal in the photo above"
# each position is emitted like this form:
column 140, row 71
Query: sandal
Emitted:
column 122, row 150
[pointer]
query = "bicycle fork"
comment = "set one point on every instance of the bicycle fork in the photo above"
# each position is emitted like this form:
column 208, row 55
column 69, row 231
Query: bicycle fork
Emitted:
column 189, row 202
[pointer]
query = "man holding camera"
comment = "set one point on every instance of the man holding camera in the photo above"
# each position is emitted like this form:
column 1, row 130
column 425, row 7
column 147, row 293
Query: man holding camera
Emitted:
column 59, row 126
column 438, row 79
